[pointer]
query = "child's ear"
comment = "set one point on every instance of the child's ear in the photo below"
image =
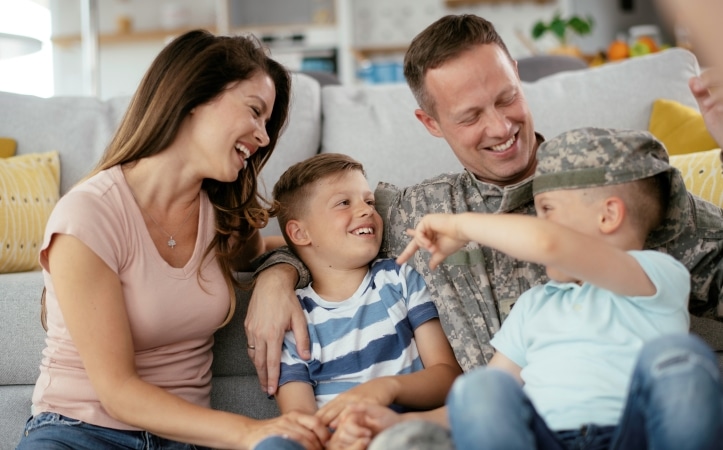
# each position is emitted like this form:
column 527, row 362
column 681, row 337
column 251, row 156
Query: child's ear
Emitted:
column 297, row 233
column 612, row 215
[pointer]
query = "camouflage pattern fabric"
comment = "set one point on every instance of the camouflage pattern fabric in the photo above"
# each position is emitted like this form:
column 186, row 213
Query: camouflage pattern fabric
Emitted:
column 592, row 157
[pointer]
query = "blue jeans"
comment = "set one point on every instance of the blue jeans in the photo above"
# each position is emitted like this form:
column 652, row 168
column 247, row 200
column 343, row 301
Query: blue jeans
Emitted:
column 675, row 401
column 278, row 443
column 51, row 431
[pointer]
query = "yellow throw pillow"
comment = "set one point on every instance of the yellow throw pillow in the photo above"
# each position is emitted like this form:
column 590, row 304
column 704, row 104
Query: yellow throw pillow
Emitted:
column 29, row 189
column 681, row 128
column 7, row 147
column 702, row 174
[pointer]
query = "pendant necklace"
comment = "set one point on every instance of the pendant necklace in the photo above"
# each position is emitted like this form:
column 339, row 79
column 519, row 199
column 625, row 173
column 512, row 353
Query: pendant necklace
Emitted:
column 171, row 242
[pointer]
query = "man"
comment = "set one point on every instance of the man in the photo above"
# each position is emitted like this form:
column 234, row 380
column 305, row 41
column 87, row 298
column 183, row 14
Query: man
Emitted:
column 469, row 93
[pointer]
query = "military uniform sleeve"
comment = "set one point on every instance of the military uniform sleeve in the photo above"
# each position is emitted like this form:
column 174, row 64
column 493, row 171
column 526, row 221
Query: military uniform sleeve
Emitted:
column 396, row 221
column 283, row 255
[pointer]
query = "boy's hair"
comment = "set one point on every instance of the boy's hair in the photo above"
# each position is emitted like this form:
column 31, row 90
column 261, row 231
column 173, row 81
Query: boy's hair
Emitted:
column 440, row 42
column 646, row 201
column 630, row 164
column 295, row 186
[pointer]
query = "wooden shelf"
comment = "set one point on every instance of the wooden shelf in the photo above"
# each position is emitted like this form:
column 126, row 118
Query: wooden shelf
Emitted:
column 366, row 52
column 452, row 3
column 130, row 37
column 162, row 34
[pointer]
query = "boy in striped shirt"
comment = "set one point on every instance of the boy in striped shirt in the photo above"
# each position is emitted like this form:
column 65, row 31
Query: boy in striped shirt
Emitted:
column 375, row 333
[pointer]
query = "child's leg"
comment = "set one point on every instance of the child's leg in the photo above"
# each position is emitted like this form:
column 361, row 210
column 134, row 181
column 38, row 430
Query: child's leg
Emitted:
column 488, row 409
column 278, row 443
column 675, row 399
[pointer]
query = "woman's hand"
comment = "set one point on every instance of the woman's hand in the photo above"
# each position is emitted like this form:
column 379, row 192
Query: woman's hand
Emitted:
column 273, row 310
column 305, row 429
column 708, row 92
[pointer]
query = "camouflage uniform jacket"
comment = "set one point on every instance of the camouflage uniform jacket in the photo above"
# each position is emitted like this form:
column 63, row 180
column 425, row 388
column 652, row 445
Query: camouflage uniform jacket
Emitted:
column 474, row 288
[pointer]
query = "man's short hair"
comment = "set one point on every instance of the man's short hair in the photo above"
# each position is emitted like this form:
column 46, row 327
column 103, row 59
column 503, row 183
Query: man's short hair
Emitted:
column 440, row 42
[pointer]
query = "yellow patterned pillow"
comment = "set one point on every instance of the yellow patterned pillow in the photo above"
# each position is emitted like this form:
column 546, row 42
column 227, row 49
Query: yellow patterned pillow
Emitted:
column 29, row 189
column 702, row 174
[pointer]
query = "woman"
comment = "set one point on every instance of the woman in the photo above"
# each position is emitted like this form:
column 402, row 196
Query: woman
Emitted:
column 138, row 259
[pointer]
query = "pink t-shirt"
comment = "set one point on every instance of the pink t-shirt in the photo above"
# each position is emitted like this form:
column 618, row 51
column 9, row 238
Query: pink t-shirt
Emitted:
column 173, row 312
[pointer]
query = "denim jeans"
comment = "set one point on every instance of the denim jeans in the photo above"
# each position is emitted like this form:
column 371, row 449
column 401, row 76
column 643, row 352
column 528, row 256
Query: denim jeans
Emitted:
column 51, row 431
column 675, row 401
column 278, row 443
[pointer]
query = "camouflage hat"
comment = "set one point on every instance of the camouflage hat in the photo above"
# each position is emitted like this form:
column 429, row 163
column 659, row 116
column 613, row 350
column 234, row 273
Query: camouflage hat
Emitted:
column 591, row 157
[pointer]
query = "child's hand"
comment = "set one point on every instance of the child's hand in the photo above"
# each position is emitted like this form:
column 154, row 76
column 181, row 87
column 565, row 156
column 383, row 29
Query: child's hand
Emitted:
column 379, row 391
column 708, row 92
column 436, row 233
column 350, row 433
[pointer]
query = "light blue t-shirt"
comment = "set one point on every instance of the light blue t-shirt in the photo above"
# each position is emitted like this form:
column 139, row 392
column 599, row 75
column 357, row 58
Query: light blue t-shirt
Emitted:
column 578, row 344
column 366, row 336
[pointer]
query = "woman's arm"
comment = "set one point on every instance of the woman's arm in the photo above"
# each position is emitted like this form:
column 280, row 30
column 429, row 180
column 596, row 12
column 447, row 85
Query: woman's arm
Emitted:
column 274, row 310
column 90, row 297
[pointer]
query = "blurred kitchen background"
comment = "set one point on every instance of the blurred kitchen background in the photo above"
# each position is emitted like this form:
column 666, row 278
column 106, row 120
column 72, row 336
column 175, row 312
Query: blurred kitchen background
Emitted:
column 103, row 47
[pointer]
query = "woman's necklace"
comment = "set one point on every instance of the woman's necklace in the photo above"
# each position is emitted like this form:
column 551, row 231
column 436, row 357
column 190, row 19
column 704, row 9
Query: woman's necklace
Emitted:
column 171, row 242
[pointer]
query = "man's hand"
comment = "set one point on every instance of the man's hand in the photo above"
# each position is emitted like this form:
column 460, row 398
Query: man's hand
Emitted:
column 273, row 310
column 708, row 92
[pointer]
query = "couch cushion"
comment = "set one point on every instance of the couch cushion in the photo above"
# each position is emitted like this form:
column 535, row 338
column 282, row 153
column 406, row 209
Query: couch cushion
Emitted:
column 7, row 147
column 29, row 189
column 78, row 127
column 702, row 174
column 22, row 337
column 300, row 139
column 680, row 128
column 375, row 125
column 614, row 95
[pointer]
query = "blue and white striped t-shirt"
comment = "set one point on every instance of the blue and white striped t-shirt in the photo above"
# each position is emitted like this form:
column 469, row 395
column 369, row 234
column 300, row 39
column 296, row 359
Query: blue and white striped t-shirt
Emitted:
column 366, row 336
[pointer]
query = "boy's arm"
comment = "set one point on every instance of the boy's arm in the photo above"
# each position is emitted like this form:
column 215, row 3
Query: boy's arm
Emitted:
column 424, row 389
column 568, row 251
column 296, row 396
column 500, row 361
column 428, row 388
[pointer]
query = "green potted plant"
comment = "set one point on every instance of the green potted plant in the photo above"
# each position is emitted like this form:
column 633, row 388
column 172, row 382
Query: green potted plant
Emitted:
column 561, row 28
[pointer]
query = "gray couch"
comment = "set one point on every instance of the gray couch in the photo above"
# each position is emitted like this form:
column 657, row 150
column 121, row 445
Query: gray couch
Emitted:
column 374, row 124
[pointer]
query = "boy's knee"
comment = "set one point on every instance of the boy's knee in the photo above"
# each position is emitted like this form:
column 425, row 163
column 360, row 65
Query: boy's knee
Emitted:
column 483, row 385
column 678, row 353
